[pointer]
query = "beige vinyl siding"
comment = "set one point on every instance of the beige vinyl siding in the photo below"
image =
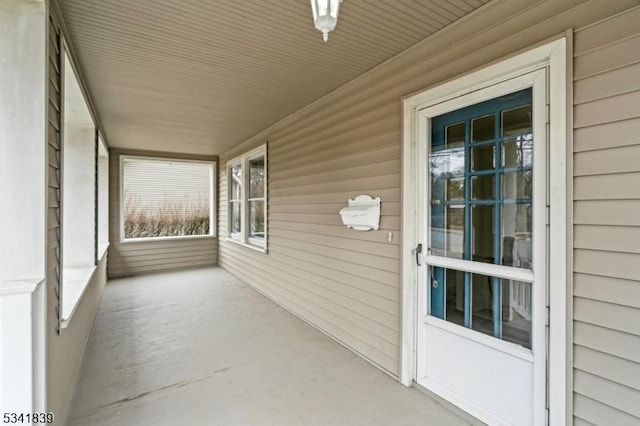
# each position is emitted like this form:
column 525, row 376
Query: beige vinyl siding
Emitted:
column 54, row 156
column 607, row 221
column 347, row 283
column 59, row 387
column 344, row 282
column 65, row 350
column 140, row 257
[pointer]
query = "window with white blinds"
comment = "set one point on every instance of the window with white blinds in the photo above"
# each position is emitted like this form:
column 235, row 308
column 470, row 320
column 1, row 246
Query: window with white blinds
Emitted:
column 164, row 198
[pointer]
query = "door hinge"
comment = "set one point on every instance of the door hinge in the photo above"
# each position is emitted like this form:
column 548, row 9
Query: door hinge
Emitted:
column 548, row 218
column 547, row 316
column 548, row 111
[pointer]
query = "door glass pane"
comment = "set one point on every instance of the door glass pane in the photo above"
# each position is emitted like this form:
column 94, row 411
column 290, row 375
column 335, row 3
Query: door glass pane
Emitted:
column 501, row 308
column 517, row 122
column 482, row 304
column 483, row 129
column 482, row 233
column 480, row 178
column 235, row 217
column 446, row 162
column 455, row 231
column 517, row 152
column 455, row 296
column 447, row 231
column 482, row 187
column 236, row 182
column 517, row 185
column 483, row 158
column 516, row 235
column 455, row 189
column 256, row 177
column 455, row 135
column 516, row 312
column 256, row 218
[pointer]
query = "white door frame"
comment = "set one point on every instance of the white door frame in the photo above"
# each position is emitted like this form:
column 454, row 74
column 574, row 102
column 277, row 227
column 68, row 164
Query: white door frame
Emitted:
column 552, row 55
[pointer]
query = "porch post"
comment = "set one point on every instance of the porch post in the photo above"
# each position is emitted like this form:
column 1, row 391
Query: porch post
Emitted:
column 23, row 167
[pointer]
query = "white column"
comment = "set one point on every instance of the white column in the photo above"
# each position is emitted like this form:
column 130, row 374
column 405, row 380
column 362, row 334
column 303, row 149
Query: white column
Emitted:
column 22, row 347
column 23, row 109
column 23, row 186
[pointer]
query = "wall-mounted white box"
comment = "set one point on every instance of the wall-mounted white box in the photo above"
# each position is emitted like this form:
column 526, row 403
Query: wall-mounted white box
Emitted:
column 362, row 213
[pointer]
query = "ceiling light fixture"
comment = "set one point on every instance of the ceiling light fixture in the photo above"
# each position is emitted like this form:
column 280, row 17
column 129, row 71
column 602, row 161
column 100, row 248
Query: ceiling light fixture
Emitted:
column 325, row 15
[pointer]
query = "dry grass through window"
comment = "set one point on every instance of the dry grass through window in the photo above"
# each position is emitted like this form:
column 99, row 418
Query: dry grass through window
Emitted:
column 168, row 218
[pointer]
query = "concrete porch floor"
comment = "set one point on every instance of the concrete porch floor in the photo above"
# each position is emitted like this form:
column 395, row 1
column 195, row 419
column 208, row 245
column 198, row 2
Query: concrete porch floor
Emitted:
column 201, row 347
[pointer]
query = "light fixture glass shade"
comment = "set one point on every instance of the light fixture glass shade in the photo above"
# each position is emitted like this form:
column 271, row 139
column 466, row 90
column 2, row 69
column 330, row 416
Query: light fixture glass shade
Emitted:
column 325, row 15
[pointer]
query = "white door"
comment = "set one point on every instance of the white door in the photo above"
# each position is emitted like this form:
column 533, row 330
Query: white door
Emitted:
column 481, row 337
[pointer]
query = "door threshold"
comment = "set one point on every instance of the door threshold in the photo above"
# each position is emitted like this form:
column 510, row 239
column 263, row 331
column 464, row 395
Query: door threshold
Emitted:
column 468, row 418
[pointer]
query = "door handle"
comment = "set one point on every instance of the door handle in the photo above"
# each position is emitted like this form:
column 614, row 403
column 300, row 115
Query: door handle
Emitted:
column 418, row 250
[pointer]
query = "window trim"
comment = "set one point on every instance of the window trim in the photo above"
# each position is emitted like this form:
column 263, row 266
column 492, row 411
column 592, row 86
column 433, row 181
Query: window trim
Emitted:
column 102, row 189
column 213, row 219
column 242, row 238
column 235, row 236
column 76, row 278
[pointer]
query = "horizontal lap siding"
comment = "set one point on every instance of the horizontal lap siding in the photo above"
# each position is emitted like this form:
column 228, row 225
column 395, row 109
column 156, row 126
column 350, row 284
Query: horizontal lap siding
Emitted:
column 59, row 385
column 344, row 282
column 134, row 258
column 607, row 221
column 348, row 287
column 65, row 350
column 54, row 157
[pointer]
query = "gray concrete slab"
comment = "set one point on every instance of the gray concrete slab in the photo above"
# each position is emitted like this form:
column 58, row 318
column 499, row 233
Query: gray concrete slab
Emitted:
column 201, row 347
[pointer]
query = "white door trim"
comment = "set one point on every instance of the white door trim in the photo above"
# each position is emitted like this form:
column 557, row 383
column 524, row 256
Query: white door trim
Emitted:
column 554, row 56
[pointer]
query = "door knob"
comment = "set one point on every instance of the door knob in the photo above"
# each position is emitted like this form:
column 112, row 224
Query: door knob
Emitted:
column 435, row 202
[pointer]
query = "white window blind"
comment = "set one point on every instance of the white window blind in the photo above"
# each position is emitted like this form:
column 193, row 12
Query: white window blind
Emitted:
column 166, row 198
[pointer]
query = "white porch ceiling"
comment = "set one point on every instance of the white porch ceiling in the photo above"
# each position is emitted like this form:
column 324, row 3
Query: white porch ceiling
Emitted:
column 200, row 76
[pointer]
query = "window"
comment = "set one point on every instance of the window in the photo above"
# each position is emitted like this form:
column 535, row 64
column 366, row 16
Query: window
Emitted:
column 166, row 198
column 103, row 199
column 247, row 206
column 481, row 163
column 78, row 194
